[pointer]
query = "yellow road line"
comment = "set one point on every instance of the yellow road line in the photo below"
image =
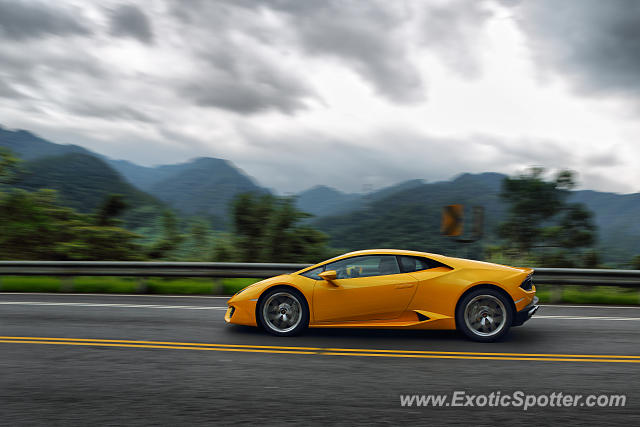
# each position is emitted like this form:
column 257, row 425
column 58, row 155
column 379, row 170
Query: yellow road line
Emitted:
column 175, row 347
column 465, row 353
column 164, row 342
column 323, row 351
column 443, row 356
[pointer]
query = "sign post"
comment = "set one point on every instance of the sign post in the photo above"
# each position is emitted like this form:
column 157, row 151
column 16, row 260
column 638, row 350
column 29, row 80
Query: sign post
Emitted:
column 452, row 220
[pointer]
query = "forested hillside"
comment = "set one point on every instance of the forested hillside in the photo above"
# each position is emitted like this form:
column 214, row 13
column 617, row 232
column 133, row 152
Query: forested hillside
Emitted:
column 405, row 215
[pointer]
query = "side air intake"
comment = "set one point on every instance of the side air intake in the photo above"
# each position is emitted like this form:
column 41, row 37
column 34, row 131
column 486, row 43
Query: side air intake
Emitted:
column 527, row 285
column 422, row 317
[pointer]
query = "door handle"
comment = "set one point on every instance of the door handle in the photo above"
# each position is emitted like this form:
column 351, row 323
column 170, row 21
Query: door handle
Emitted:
column 406, row 285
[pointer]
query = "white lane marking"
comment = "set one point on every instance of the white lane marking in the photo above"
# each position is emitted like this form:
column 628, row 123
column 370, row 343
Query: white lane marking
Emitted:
column 114, row 295
column 588, row 306
column 585, row 318
column 90, row 304
column 194, row 307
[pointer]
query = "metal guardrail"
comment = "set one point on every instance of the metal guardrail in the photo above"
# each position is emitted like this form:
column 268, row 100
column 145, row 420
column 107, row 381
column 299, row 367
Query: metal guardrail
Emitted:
column 145, row 269
column 588, row 277
column 551, row 276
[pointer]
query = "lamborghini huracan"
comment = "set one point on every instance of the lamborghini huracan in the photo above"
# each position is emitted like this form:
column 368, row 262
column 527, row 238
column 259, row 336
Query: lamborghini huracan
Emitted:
column 392, row 289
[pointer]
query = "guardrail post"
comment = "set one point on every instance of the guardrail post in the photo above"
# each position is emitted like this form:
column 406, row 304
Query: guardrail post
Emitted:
column 556, row 294
column 66, row 284
column 218, row 287
column 143, row 287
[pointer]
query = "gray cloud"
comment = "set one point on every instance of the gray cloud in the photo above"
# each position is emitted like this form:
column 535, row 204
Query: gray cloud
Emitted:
column 36, row 76
column 129, row 21
column 21, row 20
column 594, row 43
column 106, row 110
column 245, row 97
column 537, row 151
column 8, row 91
column 604, row 159
column 200, row 60
column 369, row 38
column 452, row 30
column 246, row 83
column 389, row 156
column 236, row 60
column 591, row 180
column 366, row 36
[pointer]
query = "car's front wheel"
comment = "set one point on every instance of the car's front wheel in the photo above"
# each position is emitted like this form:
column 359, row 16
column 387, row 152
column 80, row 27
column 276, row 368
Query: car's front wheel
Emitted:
column 283, row 312
column 484, row 315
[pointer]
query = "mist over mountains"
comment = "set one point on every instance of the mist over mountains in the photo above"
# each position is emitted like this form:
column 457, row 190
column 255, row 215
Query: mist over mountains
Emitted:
column 405, row 215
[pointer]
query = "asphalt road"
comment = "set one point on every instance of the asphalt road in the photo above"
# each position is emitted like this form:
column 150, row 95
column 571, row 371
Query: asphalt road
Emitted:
column 174, row 361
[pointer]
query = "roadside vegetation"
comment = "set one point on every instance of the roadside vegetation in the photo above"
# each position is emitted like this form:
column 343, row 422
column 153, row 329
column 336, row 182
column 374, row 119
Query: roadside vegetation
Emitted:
column 124, row 285
column 540, row 228
column 38, row 225
column 229, row 286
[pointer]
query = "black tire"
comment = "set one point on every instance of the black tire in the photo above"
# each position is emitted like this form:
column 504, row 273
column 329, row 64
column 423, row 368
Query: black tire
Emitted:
column 484, row 315
column 283, row 312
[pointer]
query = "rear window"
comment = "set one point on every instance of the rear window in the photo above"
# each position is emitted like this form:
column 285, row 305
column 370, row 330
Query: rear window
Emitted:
column 414, row 263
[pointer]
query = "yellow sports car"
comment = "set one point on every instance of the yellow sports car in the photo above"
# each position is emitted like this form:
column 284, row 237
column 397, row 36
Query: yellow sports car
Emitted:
column 394, row 289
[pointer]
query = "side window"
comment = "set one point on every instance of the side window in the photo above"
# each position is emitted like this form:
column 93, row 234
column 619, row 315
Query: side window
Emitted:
column 411, row 263
column 365, row 266
column 313, row 274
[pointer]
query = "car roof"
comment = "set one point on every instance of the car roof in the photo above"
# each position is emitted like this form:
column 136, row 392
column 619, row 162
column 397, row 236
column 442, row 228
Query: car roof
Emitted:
column 376, row 252
column 387, row 252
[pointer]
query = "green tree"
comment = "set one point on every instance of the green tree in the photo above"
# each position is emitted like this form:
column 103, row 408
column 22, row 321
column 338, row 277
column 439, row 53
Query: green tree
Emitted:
column 98, row 243
column 34, row 227
column 223, row 250
column 539, row 218
column 31, row 225
column 170, row 239
column 8, row 166
column 198, row 241
column 574, row 229
column 112, row 207
column 635, row 262
column 592, row 259
column 251, row 216
column 268, row 229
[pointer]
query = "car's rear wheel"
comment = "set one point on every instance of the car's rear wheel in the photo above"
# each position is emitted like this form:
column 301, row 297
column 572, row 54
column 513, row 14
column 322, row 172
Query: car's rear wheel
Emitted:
column 283, row 312
column 484, row 315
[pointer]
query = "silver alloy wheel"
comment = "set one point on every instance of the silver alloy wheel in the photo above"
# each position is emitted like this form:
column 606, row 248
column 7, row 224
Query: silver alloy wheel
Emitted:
column 485, row 315
column 282, row 312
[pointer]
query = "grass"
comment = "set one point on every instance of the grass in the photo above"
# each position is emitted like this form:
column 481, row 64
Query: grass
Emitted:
column 124, row 285
column 588, row 295
column 229, row 286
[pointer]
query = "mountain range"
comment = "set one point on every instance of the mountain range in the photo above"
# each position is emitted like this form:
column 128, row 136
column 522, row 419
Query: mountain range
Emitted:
column 202, row 187
column 405, row 215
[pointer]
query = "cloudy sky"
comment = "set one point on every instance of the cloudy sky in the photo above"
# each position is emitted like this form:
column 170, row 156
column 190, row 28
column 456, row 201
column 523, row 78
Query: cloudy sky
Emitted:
column 350, row 94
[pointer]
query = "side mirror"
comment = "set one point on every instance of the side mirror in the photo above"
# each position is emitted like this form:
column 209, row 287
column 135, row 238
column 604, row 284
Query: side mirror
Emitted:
column 329, row 276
